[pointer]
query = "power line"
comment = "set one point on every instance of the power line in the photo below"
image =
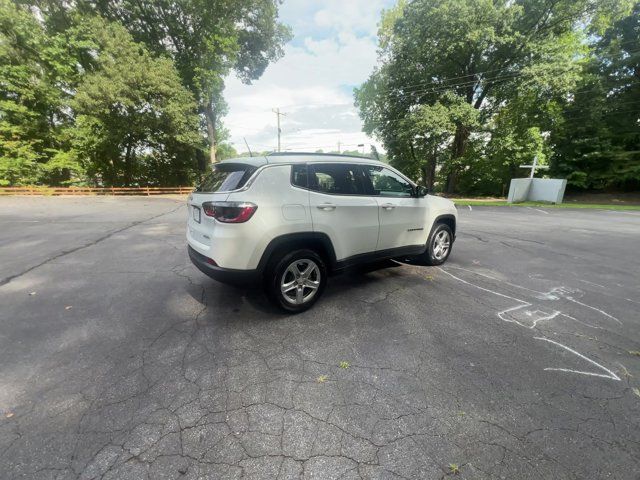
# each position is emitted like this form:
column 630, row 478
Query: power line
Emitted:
column 457, row 86
column 596, row 117
column 446, row 79
column 494, row 80
column 440, row 85
column 627, row 103
column 442, row 88
column 570, row 92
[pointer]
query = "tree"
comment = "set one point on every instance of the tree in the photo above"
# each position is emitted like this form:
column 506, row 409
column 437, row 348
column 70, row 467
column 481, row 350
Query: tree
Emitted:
column 81, row 101
column 37, row 72
column 484, row 51
column 431, row 127
column 206, row 40
column 226, row 150
column 133, row 114
column 597, row 137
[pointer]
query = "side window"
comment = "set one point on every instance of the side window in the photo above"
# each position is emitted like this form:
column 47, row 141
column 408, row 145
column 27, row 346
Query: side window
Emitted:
column 384, row 182
column 336, row 179
column 299, row 176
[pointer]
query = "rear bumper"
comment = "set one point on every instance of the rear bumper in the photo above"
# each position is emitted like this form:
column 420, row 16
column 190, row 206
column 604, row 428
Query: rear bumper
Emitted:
column 224, row 275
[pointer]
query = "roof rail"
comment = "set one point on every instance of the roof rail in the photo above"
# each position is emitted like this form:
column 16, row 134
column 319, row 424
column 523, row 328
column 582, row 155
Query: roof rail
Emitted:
column 346, row 155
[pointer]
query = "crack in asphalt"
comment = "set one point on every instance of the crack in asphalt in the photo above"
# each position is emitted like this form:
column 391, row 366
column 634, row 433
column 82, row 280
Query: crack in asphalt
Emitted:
column 222, row 390
column 63, row 253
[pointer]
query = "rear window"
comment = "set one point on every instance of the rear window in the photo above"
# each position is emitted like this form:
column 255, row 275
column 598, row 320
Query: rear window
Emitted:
column 226, row 177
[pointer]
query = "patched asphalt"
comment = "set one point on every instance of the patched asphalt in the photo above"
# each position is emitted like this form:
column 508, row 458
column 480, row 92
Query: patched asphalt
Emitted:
column 120, row 360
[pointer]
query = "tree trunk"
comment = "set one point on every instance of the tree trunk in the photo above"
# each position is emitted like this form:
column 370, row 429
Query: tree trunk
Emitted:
column 424, row 169
column 458, row 148
column 431, row 171
column 128, row 167
column 211, row 130
column 415, row 160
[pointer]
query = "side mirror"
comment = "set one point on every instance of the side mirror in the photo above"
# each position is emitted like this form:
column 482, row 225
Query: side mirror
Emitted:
column 420, row 191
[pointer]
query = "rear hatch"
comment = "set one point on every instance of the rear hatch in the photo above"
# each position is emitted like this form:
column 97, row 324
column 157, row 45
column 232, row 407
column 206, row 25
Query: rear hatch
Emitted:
column 224, row 178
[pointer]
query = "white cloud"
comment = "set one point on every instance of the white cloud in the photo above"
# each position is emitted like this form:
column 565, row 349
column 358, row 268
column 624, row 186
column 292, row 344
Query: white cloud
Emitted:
column 350, row 15
column 333, row 51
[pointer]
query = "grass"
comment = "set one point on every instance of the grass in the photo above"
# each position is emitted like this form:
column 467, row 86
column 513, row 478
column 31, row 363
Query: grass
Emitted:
column 503, row 203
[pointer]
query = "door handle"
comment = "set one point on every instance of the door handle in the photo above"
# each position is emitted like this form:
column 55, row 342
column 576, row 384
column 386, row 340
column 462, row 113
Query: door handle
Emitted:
column 388, row 206
column 327, row 207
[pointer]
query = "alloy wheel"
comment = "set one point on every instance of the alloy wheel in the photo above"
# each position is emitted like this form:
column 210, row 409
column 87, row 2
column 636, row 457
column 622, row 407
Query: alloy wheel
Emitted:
column 300, row 281
column 441, row 245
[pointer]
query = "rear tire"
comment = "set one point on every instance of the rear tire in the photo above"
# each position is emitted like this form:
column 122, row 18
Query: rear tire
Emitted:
column 295, row 280
column 439, row 245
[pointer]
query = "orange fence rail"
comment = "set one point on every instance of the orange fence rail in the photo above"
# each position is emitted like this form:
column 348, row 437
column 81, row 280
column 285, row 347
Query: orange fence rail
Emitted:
column 55, row 191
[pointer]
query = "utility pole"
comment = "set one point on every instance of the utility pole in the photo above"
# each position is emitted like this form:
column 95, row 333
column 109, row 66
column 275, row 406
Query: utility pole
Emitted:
column 278, row 115
column 339, row 151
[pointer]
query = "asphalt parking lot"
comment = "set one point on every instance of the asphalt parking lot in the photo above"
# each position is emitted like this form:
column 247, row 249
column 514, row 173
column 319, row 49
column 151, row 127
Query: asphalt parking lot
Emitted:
column 118, row 359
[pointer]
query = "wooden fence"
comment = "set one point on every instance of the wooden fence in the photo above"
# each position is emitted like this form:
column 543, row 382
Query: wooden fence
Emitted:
column 55, row 191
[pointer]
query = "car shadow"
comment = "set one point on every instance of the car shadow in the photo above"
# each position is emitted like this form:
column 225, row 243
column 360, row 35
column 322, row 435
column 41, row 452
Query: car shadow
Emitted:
column 226, row 296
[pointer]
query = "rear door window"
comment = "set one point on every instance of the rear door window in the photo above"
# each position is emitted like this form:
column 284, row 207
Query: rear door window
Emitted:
column 336, row 178
column 226, row 177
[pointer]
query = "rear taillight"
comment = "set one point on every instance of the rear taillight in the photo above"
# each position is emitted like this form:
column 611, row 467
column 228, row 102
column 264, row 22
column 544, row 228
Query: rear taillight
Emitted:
column 229, row 212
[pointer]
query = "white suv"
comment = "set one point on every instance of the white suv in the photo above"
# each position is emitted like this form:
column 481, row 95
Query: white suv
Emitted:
column 289, row 220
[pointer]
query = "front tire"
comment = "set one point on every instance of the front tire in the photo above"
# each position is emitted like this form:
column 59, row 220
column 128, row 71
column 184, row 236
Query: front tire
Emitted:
column 296, row 280
column 438, row 246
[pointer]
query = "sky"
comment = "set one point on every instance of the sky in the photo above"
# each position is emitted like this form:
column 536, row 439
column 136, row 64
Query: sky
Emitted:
column 333, row 50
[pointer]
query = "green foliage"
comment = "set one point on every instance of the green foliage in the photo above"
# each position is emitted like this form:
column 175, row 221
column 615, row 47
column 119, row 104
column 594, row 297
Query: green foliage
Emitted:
column 428, row 127
column 225, row 151
column 132, row 113
column 207, row 40
column 516, row 64
column 598, row 135
column 123, row 94
column 36, row 72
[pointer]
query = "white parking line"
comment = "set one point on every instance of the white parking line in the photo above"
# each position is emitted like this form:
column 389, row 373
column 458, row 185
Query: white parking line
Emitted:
column 538, row 210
